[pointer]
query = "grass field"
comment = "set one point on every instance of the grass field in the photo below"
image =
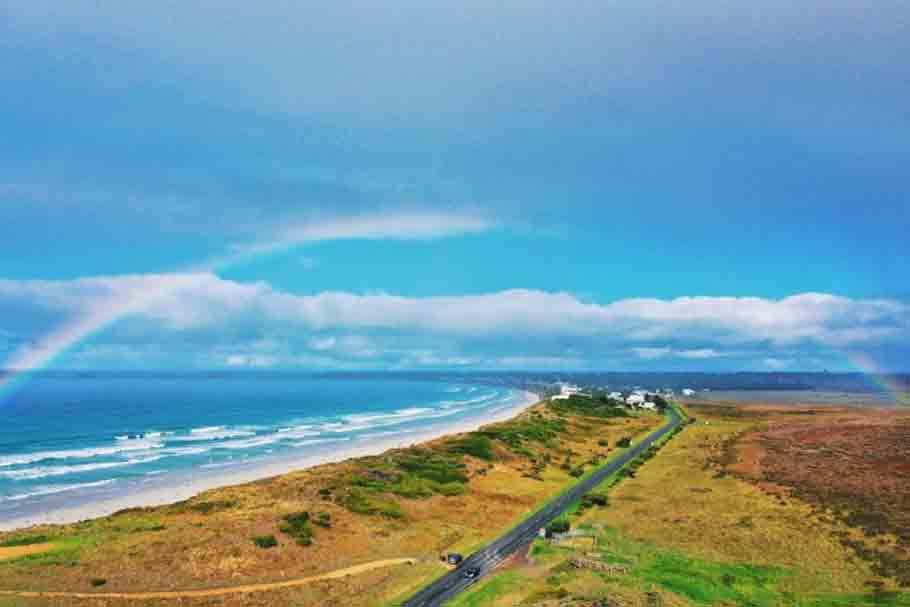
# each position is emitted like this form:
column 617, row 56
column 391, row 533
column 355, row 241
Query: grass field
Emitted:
column 683, row 531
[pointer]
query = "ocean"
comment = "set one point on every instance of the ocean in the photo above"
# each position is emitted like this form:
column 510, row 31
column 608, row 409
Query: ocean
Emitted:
column 78, row 445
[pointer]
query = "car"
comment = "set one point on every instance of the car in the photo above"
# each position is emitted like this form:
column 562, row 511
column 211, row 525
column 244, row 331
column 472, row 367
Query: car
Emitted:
column 472, row 573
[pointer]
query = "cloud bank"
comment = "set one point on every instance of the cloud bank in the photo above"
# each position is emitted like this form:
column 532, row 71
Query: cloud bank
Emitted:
column 209, row 321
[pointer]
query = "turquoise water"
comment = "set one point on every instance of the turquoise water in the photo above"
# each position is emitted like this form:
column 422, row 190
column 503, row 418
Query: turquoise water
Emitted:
column 68, row 441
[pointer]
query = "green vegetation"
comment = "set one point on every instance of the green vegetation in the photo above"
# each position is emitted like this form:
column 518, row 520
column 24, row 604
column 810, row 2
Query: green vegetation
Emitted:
column 323, row 519
column 24, row 540
column 560, row 525
column 700, row 582
column 488, row 591
column 297, row 526
column 474, row 444
column 415, row 474
column 624, row 443
column 97, row 582
column 203, row 507
column 517, row 434
column 363, row 503
column 265, row 541
column 589, row 407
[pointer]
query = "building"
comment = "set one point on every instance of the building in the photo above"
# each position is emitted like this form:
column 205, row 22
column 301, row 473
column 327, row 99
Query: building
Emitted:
column 635, row 400
column 688, row 392
column 649, row 406
column 567, row 391
column 615, row 396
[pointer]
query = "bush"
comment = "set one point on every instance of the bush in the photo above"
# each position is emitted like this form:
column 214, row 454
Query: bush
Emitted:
column 603, row 443
column 560, row 525
column 97, row 581
column 298, row 527
column 577, row 471
column 474, row 444
column 265, row 541
column 361, row 503
column 624, row 442
column 323, row 519
column 206, row 507
column 594, row 499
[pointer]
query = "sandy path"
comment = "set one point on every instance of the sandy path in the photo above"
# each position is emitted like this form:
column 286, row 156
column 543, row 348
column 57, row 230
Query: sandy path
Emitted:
column 182, row 594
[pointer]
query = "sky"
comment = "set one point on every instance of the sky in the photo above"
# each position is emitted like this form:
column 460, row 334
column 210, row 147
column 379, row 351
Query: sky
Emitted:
column 605, row 185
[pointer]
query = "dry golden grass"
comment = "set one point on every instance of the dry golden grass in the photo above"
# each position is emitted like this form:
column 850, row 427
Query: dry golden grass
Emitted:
column 679, row 501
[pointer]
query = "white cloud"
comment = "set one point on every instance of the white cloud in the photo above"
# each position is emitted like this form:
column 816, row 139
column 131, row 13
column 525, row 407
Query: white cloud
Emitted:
column 506, row 327
column 382, row 226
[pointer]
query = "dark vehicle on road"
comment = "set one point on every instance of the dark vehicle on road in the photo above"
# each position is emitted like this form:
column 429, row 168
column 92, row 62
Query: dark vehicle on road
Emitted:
column 471, row 573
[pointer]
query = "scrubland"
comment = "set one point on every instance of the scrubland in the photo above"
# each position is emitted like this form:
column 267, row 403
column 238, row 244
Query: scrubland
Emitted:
column 726, row 514
column 452, row 494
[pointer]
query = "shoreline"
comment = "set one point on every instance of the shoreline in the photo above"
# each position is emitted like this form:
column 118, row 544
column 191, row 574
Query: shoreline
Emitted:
column 185, row 488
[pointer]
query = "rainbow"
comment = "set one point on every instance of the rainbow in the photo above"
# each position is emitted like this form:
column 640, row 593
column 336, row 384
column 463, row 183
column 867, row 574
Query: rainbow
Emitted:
column 885, row 381
column 400, row 226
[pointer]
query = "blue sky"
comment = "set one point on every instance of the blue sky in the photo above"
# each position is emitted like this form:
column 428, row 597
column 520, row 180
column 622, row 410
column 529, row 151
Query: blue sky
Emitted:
column 572, row 157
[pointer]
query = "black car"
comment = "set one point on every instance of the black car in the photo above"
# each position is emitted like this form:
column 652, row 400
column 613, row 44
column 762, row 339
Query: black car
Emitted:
column 472, row 573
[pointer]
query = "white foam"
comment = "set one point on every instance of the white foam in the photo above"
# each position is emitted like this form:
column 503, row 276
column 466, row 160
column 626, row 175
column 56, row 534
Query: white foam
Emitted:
column 87, row 453
column 58, row 489
column 212, row 433
column 318, row 441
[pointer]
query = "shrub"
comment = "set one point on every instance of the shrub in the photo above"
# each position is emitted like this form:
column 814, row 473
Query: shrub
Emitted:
column 323, row 519
column 297, row 526
column 603, row 442
column 624, row 442
column 97, row 581
column 560, row 525
column 594, row 499
column 474, row 444
column 205, row 507
column 577, row 471
column 265, row 541
column 361, row 503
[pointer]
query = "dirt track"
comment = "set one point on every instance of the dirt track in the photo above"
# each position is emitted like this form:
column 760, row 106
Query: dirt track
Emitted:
column 209, row 592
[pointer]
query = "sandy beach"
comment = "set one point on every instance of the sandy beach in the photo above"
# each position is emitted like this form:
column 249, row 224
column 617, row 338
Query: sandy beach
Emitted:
column 188, row 487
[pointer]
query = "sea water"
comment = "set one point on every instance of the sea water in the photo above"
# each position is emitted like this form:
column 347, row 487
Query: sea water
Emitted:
column 70, row 441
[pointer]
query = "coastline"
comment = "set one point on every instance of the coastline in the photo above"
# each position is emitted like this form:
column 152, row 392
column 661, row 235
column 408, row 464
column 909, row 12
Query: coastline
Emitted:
column 188, row 487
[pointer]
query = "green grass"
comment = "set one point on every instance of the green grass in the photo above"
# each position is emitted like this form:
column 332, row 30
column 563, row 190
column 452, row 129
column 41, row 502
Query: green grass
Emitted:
column 488, row 591
column 707, row 583
column 517, row 434
column 589, row 407
column 474, row 444
column 24, row 540
column 704, row 582
column 361, row 502
column 65, row 552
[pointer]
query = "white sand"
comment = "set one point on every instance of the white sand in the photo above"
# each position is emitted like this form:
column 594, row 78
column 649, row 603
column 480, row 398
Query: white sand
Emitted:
column 189, row 488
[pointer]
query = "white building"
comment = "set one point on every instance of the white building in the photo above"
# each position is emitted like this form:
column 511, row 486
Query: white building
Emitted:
column 615, row 395
column 635, row 400
column 649, row 406
column 688, row 392
column 566, row 391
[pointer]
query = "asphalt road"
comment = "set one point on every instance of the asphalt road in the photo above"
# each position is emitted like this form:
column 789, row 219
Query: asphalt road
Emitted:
column 488, row 557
